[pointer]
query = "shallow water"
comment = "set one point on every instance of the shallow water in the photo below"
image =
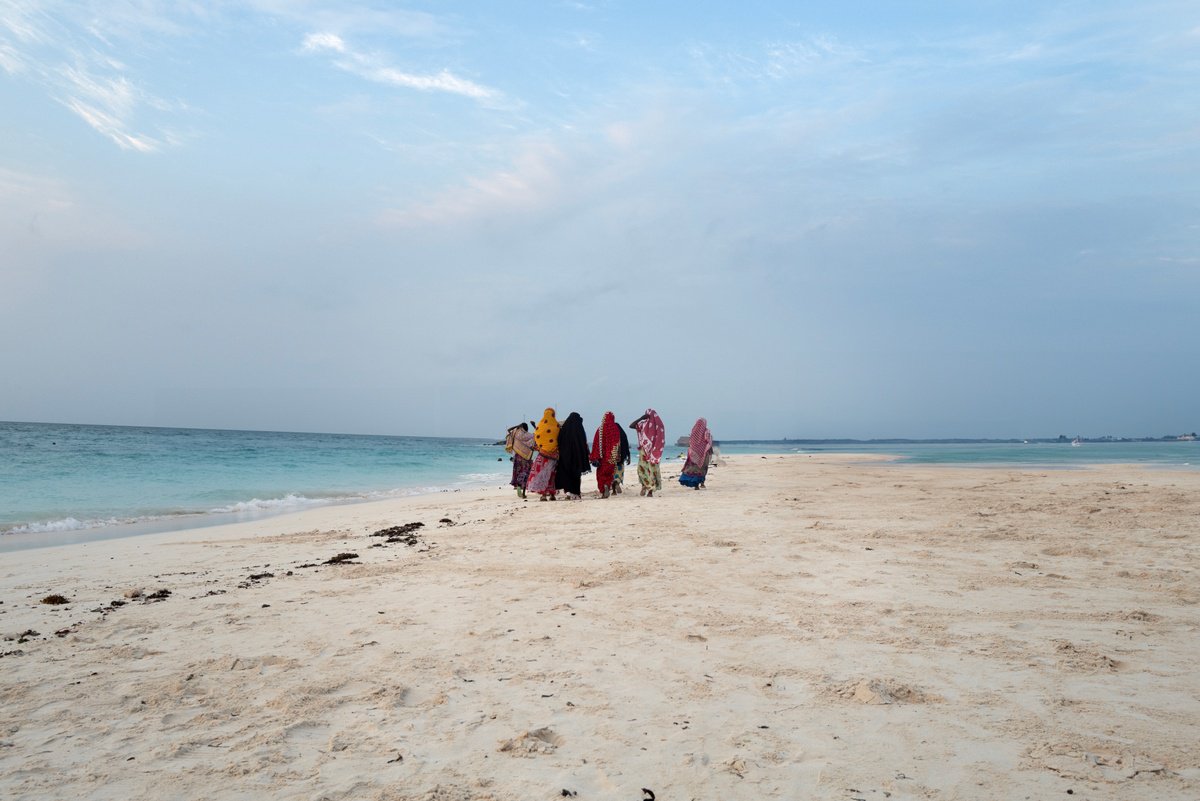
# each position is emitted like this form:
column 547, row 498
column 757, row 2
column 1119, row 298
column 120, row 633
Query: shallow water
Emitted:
column 66, row 483
column 1162, row 454
column 63, row 478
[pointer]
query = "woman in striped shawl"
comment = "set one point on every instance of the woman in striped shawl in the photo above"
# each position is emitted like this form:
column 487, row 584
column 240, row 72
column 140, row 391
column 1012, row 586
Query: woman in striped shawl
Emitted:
column 520, row 444
column 700, row 450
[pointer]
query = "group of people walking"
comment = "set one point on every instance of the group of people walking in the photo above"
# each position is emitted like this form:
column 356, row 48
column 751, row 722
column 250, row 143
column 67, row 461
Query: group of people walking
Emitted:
column 553, row 457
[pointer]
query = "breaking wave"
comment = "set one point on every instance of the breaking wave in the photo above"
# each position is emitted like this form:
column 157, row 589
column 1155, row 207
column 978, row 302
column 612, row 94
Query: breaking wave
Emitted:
column 252, row 508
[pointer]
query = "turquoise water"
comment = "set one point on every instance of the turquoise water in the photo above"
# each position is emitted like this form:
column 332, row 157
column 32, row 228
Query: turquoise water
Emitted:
column 62, row 483
column 1163, row 454
column 68, row 478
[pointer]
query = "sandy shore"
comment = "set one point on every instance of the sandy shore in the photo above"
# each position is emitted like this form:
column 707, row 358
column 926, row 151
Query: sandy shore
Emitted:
column 804, row 628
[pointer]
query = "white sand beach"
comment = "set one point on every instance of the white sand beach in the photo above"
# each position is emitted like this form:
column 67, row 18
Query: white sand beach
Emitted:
column 806, row 627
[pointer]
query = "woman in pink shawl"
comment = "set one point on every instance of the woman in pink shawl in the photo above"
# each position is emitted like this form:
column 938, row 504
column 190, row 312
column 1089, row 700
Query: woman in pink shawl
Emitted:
column 651, row 437
column 700, row 449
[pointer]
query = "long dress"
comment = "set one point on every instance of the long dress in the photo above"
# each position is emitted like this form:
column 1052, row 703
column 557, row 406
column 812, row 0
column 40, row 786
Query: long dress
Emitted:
column 572, row 455
column 652, row 436
column 622, row 460
column 606, row 452
column 542, row 475
column 545, row 458
column 700, row 444
column 522, row 451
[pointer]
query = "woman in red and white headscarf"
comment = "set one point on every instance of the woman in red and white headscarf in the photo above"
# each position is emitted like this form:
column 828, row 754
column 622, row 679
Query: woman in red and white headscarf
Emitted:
column 699, row 454
column 651, row 437
column 606, row 452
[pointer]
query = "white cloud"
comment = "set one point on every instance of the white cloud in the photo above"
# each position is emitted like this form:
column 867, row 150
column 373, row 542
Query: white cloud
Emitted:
column 76, row 63
column 10, row 59
column 18, row 33
column 19, row 21
column 373, row 68
column 317, row 42
column 107, row 103
column 112, row 127
column 444, row 81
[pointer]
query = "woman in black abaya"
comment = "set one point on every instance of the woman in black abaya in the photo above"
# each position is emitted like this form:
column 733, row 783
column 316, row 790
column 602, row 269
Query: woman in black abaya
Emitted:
column 572, row 456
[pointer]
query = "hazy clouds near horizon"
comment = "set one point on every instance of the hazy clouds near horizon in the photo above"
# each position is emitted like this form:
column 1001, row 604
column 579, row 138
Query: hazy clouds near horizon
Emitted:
column 793, row 220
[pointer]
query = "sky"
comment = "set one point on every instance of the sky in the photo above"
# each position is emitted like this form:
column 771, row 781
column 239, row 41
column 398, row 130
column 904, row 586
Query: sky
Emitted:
column 796, row 219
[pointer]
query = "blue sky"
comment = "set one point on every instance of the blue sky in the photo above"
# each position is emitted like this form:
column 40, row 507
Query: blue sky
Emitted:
column 796, row 219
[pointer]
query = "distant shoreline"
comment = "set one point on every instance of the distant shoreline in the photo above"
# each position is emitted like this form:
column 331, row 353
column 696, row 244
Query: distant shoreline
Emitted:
column 1061, row 439
column 956, row 441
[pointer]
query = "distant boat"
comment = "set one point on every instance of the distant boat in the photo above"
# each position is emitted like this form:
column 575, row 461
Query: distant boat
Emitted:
column 1075, row 443
column 683, row 442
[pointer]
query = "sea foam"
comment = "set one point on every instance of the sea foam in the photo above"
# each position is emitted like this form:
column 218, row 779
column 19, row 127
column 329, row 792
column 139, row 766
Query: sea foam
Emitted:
column 65, row 524
column 289, row 501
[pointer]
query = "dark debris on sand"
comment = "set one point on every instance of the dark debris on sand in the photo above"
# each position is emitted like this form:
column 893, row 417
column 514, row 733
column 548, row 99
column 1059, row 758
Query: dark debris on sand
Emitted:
column 254, row 579
column 341, row 558
column 404, row 533
column 55, row 600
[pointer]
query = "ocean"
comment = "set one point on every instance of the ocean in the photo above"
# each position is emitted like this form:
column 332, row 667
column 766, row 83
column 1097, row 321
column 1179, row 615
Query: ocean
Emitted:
column 1158, row 454
column 69, row 483
column 66, row 483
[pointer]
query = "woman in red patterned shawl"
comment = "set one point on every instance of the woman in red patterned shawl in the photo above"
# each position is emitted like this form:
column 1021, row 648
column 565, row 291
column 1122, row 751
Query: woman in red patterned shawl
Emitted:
column 700, row 450
column 651, row 436
column 606, row 451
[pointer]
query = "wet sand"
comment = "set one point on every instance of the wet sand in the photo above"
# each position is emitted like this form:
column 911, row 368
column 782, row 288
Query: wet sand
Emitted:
column 806, row 627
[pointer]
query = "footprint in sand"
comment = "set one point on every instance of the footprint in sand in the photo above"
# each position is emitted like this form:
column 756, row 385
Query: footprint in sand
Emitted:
column 532, row 743
column 881, row 692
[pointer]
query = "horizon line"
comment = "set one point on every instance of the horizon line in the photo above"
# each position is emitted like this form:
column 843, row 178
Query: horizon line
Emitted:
column 727, row 440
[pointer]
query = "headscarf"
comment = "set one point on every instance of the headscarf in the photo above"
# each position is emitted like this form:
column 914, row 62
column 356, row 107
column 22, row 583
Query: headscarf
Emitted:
column 606, row 445
column 652, row 436
column 573, row 450
column 700, row 442
column 546, row 435
column 523, row 442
